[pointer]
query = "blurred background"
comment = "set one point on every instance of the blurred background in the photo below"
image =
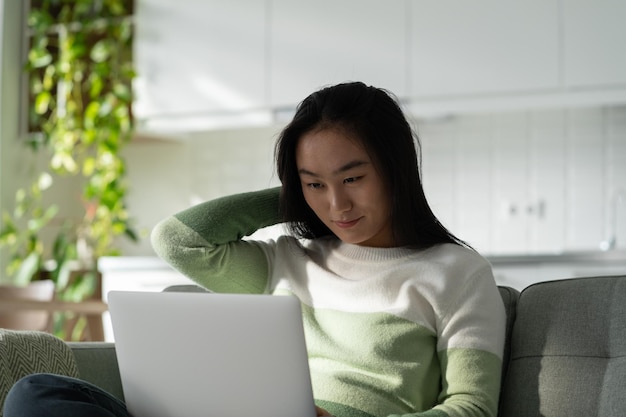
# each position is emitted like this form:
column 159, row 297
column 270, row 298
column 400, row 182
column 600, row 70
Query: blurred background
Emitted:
column 520, row 107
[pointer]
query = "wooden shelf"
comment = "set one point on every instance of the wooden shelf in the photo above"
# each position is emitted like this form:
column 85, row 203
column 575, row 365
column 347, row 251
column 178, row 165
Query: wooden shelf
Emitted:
column 91, row 309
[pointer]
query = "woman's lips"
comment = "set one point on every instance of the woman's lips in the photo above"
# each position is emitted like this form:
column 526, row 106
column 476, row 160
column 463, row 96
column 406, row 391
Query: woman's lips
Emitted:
column 344, row 224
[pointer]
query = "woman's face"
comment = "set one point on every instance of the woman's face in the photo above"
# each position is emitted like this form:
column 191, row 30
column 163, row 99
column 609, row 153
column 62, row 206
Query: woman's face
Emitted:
column 343, row 188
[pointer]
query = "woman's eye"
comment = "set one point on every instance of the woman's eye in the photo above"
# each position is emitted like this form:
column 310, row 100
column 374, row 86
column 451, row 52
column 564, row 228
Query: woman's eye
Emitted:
column 351, row 180
column 314, row 185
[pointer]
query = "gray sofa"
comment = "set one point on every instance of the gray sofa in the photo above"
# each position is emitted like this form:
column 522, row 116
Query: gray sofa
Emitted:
column 565, row 353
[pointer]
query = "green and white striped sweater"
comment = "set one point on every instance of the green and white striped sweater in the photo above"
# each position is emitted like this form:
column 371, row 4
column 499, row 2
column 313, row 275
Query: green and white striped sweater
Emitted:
column 390, row 331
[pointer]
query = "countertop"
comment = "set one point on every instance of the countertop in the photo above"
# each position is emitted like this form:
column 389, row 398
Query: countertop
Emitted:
column 569, row 257
column 612, row 257
column 131, row 263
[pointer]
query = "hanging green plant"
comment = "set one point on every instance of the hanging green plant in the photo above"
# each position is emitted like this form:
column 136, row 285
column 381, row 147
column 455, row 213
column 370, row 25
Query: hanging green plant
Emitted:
column 80, row 72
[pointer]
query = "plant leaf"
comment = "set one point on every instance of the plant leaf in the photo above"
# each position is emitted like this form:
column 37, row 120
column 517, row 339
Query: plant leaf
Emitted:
column 28, row 269
column 39, row 57
column 101, row 51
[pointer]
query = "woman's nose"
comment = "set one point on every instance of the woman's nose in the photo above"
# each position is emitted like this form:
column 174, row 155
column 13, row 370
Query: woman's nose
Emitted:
column 339, row 201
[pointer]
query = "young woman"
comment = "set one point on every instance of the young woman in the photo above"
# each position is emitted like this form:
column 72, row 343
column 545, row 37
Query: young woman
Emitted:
column 401, row 317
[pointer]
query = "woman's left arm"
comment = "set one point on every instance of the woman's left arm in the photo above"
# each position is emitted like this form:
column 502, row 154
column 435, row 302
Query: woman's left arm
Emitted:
column 204, row 242
column 470, row 348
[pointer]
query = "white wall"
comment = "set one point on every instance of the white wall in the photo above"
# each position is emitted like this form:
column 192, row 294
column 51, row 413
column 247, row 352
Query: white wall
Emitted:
column 168, row 176
column 10, row 149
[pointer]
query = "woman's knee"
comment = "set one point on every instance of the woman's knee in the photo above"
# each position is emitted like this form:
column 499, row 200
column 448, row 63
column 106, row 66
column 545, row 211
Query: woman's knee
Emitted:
column 31, row 387
column 60, row 396
column 26, row 394
column 37, row 394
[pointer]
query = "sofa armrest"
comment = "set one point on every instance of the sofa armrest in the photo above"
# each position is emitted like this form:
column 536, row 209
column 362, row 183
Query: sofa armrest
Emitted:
column 97, row 363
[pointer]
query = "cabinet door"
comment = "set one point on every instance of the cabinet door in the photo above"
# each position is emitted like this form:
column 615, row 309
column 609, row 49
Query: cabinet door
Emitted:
column 546, row 206
column 510, row 223
column 473, row 182
column 195, row 57
column 615, row 210
column 439, row 171
column 587, row 197
column 594, row 44
column 463, row 47
column 314, row 44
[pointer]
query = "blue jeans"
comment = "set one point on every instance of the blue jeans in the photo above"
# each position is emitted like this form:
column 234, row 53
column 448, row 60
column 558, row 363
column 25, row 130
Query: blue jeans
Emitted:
column 54, row 395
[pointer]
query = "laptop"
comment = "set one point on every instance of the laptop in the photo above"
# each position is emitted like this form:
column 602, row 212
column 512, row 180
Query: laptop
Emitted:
column 199, row 354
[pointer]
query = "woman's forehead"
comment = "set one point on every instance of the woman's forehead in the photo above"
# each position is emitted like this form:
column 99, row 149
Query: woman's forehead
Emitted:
column 329, row 147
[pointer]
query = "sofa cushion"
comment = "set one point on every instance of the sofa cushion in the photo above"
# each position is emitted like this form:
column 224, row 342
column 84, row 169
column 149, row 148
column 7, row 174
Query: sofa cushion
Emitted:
column 568, row 350
column 28, row 352
column 97, row 363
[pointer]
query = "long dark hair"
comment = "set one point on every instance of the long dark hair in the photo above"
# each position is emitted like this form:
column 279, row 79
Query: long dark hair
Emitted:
column 374, row 117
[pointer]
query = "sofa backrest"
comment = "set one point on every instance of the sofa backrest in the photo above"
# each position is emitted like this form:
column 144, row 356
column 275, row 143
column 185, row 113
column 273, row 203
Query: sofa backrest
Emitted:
column 97, row 363
column 568, row 350
column 509, row 298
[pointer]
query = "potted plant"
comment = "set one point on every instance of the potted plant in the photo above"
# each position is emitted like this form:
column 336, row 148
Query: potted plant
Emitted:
column 80, row 72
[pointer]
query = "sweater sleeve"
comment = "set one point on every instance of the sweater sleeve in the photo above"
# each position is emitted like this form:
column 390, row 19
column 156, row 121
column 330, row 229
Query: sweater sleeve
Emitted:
column 205, row 242
column 470, row 346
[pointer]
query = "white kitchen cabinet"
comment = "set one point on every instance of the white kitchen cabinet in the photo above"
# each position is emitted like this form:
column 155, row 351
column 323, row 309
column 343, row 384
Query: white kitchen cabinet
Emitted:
column 529, row 182
column 439, row 170
column 553, row 176
column 473, row 159
column 532, row 162
column 483, row 47
column 196, row 58
column 615, row 220
column 586, row 160
column 594, row 51
column 546, row 205
column 476, row 179
column 510, row 222
column 313, row 44
column 207, row 64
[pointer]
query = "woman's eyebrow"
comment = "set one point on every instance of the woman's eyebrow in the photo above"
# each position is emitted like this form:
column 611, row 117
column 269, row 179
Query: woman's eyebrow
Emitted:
column 350, row 165
column 347, row 167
